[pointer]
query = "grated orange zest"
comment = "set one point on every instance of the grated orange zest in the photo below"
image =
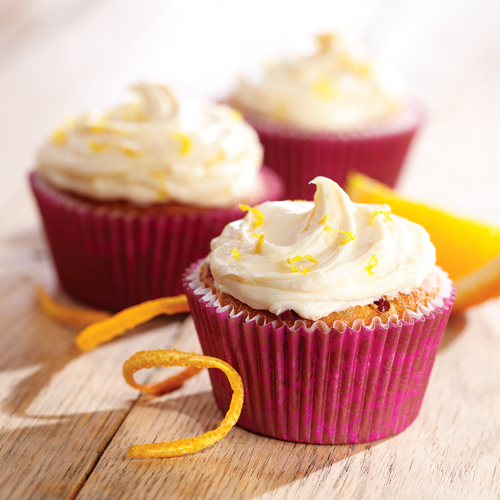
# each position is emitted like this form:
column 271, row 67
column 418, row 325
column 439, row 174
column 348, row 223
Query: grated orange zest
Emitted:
column 324, row 88
column 162, row 181
column 351, row 236
column 68, row 315
column 259, row 218
column 131, row 150
column 236, row 115
column 59, row 136
column 386, row 213
column 104, row 331
column 180, row 447
column 258, row 246
column 185, row 141
column 298, row 258
column 371, row 265
column 98, row 147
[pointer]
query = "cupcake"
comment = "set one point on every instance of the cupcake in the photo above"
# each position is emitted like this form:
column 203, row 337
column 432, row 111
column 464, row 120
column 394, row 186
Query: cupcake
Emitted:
column 332, row 313
column 328, row 113
column 131, row 196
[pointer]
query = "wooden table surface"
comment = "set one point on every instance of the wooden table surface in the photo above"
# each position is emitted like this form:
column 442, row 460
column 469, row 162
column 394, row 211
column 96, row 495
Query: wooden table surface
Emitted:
column 67, row 418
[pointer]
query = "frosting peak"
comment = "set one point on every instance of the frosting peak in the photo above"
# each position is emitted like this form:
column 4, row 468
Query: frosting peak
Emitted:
column 337, row 88
column 320, row 257
column 157, row 149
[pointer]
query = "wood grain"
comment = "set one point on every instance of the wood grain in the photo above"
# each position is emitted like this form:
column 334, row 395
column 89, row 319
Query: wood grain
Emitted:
column 67, row 419
column 59, row 408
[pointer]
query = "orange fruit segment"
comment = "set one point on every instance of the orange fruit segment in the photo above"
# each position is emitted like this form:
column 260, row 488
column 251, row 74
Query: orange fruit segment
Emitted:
column 468, row 250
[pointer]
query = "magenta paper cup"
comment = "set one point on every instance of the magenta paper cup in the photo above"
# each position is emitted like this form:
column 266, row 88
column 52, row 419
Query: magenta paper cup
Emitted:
column 316, row 386
column 298, row 156
column 114, row 260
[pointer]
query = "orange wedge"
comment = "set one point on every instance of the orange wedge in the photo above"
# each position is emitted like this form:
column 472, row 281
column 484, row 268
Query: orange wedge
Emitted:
column 468, row 250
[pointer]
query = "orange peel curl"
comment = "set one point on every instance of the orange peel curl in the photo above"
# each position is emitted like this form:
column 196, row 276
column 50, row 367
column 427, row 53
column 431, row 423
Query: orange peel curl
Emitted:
column 104, row 331
column 68, row 315
column 180, row 447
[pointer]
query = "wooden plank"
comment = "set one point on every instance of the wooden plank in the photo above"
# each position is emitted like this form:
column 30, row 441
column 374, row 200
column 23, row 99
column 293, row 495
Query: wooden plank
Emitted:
column 59, row 408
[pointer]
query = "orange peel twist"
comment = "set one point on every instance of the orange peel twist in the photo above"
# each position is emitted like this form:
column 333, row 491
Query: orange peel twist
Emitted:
column 68, row 315
column 180, row 447
column 104, row 331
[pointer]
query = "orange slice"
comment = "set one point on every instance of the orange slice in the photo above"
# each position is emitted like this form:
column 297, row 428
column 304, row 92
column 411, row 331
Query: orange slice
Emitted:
column 468, row 250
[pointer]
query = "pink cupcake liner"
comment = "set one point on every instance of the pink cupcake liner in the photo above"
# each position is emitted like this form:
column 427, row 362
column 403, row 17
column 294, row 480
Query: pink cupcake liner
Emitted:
column 113, row 260
column 298, row 157
column 309, row 386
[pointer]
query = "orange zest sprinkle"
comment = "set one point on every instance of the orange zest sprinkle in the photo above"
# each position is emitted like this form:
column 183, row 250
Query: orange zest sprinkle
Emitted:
column 218, row 158
column 97, row 123
column 104, row 331
column 386, row 213
column 59, row 137
column 185, row 141
column 298, row 258
column 259, row 218
column 371, row 265
column 98, row 147
column 236, row 115
column 235, row 253
column 75, row 316
column 351, row 236
column 324, row 88
column 258, row 246
column 325, row 41
column 131, row 150
column 180, row 447
column 160, row 177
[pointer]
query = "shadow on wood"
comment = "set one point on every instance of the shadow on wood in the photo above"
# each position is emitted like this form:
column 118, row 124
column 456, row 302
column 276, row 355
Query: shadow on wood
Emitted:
column 455, row 327
column 242, row 465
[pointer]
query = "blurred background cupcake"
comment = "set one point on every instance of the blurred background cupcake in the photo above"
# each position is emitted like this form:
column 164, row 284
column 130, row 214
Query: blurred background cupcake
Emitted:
column 131, row 196
column 328, row 113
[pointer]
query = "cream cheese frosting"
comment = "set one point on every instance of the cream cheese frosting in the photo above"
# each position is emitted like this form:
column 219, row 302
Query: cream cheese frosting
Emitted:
column 338, row 88
column 320, row 257
column 156, row 150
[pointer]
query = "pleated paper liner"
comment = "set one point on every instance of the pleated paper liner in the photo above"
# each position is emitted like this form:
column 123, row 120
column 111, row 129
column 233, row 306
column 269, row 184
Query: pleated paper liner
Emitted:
column 299, row 156
column 112, row 260
column 316, row 386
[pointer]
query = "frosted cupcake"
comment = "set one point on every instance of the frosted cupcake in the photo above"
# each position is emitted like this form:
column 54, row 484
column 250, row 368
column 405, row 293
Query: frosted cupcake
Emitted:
column 131, row 196
column 327, row 113
column 332, row 312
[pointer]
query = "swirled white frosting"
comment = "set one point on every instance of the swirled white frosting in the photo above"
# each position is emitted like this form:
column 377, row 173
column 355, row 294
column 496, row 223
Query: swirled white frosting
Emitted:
column 157, row 150
column 336, row 89
column 357, row 253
